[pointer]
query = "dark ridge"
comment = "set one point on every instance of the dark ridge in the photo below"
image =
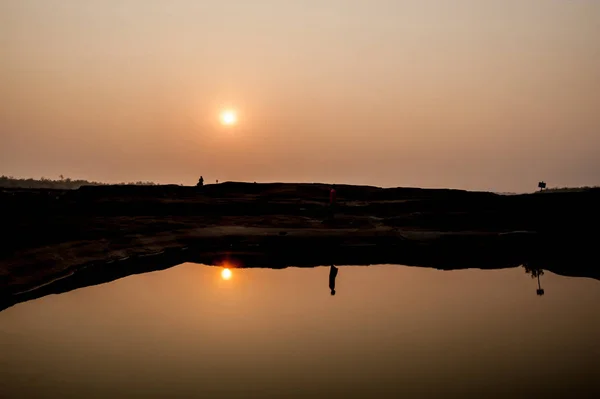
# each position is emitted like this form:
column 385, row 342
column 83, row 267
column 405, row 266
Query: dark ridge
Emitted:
column 278, row 224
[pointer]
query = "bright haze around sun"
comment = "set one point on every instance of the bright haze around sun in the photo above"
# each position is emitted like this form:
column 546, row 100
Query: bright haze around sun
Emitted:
column 480, row 95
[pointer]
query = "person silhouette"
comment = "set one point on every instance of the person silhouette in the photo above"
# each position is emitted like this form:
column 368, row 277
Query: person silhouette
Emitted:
column 333, row 271
column 200, row 182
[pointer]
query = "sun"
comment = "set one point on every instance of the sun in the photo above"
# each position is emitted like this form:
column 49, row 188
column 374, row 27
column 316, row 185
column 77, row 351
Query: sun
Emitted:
column 226, row 274
column 228, row 117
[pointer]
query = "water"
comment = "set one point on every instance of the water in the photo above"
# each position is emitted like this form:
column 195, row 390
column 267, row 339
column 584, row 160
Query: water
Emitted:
column 390, row 331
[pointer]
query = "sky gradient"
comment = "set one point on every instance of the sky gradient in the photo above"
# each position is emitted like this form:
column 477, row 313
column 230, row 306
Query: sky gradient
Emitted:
column 474, row 94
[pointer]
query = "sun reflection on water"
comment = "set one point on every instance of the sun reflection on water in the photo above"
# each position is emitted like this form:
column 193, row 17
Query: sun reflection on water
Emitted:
column 226, row 274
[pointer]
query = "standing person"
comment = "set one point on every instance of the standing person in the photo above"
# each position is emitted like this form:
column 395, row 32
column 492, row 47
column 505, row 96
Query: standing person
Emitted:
column 332, row 198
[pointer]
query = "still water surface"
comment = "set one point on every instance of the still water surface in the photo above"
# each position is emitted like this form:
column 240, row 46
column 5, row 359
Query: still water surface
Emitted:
column 390, row 331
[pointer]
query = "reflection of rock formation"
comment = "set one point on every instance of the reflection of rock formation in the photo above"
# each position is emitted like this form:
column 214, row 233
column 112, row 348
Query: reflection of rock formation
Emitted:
column 535, row 273
column 273, row 251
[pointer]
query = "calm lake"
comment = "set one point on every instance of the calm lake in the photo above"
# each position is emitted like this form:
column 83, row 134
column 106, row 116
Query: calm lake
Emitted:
column 389, row 331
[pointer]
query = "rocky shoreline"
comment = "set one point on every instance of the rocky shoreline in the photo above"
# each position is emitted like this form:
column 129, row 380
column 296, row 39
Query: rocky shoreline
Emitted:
column 270, row 249
column 66, row 240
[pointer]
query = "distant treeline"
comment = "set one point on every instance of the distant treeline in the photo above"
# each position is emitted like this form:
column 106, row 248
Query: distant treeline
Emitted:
column 66, row 183
column 63, row 183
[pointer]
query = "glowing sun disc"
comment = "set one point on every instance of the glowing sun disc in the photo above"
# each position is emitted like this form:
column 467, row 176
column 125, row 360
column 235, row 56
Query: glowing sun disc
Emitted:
column 228, row 117
column 226, row 274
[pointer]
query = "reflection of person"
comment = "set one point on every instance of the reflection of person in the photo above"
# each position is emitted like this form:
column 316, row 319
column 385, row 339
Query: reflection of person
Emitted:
column 333, row 271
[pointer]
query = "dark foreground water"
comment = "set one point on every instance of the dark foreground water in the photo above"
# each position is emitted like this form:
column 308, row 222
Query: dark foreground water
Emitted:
column 390, row 331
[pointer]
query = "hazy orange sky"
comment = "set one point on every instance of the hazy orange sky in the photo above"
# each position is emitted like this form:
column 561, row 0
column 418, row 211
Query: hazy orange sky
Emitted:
column 475, row 94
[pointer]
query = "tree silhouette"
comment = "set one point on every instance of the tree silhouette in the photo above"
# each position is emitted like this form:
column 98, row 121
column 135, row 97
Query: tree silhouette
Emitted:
column 535, row 273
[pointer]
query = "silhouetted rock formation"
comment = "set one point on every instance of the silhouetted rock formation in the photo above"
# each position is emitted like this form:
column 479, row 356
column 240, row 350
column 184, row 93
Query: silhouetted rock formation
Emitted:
column 272, row 225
